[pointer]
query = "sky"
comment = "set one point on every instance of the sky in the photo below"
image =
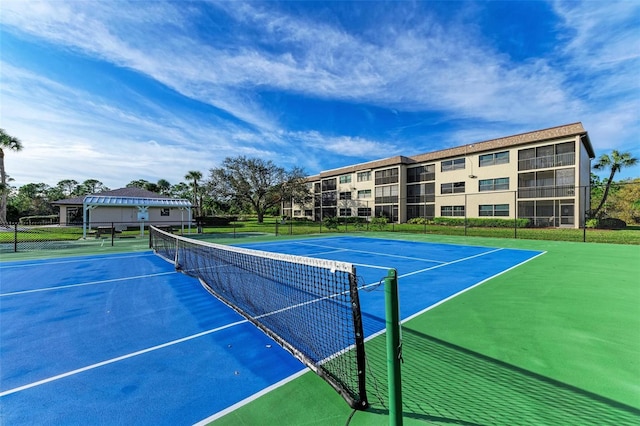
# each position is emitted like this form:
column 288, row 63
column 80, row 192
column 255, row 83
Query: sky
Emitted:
column 119, row 91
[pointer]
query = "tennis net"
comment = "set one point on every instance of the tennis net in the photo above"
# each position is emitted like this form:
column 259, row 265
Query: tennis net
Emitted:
column 309, row 306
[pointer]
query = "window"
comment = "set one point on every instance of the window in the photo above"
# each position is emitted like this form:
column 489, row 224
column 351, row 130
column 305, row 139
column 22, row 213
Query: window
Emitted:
column 390, row 212
column 449, row 165
column 329, row 185
column 452, row 211
column 387, row 176
column 364, row 193
column 421, row 193
column 364, row 176
column 345, row 212
column 495, row 158
column 345, row 179
column 452, row 188
column 364, row 211
column 387, row 194
column 329, row 199
column 421, row 174
column 494, row 210
column 493, row 184
column 164, row 212
column 420, row 211
column 345, row 195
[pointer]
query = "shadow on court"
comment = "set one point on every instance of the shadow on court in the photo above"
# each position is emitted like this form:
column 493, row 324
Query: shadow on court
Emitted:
column 447, row 384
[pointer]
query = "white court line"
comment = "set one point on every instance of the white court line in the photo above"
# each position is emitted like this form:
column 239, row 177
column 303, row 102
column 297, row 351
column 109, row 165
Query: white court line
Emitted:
column 76, row 260
column 372, row 252
column 251, row 398
column 257, row 395
column 450, row 263
column 428, row 308
column 120, row 358
column 426, row 269
column 37, row 290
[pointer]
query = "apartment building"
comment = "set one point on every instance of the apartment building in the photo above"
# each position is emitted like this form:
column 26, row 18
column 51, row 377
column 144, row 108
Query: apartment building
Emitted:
column 541, row 175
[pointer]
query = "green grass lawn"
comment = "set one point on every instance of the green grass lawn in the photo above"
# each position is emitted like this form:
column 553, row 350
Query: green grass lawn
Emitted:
column 274, row 226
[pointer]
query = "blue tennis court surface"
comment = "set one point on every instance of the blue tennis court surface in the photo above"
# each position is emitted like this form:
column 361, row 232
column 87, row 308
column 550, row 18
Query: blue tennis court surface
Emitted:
column 124, row 339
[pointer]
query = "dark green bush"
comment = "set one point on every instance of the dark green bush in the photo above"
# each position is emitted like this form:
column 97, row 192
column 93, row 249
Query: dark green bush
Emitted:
column 480, row 222
column 379, row 223
column 331, row 222
column 611, row 223
column 215, row 220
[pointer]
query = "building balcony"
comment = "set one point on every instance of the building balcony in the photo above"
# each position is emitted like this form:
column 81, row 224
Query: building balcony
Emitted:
column 559, row 160
column 547, row 191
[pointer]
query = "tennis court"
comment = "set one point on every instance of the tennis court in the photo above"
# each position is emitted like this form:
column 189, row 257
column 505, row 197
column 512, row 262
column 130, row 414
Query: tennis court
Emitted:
column 126, row 339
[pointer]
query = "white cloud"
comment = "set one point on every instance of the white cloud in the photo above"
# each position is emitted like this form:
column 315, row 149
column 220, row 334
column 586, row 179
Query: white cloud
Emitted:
column 449, row 68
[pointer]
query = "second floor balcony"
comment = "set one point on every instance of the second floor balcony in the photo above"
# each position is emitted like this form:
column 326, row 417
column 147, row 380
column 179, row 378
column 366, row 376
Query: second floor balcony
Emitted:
column 547, row 191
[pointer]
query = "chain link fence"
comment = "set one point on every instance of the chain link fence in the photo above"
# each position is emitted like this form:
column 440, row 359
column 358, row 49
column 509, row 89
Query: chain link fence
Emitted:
column 561, row 213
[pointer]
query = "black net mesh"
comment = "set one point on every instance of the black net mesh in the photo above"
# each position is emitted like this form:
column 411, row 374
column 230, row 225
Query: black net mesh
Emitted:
column 309, row 306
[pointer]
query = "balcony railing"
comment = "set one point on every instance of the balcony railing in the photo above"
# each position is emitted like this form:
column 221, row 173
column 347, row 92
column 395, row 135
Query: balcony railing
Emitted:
column 425, row 198
column 547, row 191
column 559, row 160
column 387, row 200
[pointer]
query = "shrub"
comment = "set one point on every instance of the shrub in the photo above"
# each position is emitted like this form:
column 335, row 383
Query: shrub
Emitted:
column 592, row 223
column 215, row 220
column 611, row 223
column 418, row 221
column 379, row 223
column 331, row 222
column 39, row 220
column 480, row 222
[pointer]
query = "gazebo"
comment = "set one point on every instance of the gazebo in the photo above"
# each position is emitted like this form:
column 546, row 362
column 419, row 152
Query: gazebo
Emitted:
column 142, row 204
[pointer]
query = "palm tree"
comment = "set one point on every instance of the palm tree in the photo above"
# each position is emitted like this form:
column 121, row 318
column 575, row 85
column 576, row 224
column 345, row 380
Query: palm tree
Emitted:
column 12, row 143
column 164, row 186
column 614, row 163
column 195, row 176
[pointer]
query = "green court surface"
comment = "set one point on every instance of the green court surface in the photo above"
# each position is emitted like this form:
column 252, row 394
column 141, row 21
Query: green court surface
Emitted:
column 555, row 341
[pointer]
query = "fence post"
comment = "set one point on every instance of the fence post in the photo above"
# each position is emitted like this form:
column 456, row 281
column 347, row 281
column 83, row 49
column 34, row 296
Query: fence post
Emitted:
column 113, row 233
column 15, row 237
column 584, row 215
column 515, row 215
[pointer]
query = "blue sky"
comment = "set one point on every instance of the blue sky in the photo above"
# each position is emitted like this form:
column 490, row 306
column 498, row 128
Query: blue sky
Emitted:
column 119, row 91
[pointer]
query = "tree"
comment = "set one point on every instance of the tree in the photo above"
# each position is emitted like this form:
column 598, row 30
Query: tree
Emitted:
column 13, row 144
column 140, row 183
column 194, row 176
column 92, row 186
column 164, row 187
column 32, row 199
column 615, row 162
column 256, row 183
column 67, row 186
column 624, row 203
column 180, row 190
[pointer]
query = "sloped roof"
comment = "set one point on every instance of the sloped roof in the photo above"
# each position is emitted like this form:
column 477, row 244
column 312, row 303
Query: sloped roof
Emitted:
column 126, row 197
column 112, row 201
column 567, row 130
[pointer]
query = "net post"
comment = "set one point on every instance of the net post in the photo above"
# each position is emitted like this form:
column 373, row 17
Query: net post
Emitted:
column 394, row 348
column 361, row 360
